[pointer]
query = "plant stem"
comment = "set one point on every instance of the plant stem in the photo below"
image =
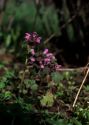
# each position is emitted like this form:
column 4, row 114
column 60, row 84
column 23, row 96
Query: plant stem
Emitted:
column 22, row 80
column 76, row 98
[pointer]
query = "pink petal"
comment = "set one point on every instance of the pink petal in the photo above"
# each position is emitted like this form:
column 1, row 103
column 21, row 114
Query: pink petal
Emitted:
column 32, row 59
column 27, row 36
column 32, row 52
column 45, row 51
column 38, row 39
column 42, row 66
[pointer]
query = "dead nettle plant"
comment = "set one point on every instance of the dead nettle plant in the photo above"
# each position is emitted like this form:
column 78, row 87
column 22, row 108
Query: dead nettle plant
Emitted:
column 38, row 59
column 40, row 62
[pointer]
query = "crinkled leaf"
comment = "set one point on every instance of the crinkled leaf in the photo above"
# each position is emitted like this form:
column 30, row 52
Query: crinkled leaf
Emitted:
column 2, row 85
column 47, row 100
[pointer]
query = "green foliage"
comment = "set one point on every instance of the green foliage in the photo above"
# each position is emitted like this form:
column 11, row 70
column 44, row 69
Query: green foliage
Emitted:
column 2, row 85
column 74, row 121
column 57, row 77
column 30, row 97
column 31, row 84
column 1, row 65
column 34, row 96
column 24, row 11
column 47, row 100
column 5, row 79
column 83, row 114
column 27, row 107
column 9, row 74
column 6, row 95
column 44, row 97
column 87, row 88
column 58, row 122
column 5, row 82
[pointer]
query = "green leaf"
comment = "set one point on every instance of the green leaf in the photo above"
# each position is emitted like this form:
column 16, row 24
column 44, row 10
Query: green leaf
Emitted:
column 7, row 95
column 31, row 84
column 8, row 40
column 47, row 100
column 1, row 65
column 87, row 88
column 2, row 85
column 57, row 77
column 58, row 122
column 9, row 74
column 75, row 121
column 34, row 87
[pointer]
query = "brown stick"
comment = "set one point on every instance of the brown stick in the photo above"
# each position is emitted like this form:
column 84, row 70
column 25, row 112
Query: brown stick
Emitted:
column 76, row 98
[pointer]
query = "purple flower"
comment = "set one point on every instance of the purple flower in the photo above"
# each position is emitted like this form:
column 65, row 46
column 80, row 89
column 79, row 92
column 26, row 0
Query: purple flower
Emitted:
column 32, row 37
column 40, row 62
column 47, row 61
column 49, row 55
column 35, row 37
column 45, row 51
column 42, row 66
column 32, row 52
column 27, row 37
column 32, row 59
column 40, row 59
column 38, row 39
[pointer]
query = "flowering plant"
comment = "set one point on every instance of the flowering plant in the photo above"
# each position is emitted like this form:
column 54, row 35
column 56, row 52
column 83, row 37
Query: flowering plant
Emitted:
column 40, row 60
column 40, row 65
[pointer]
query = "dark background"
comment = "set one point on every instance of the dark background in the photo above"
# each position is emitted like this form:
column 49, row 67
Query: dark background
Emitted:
column 71, row 45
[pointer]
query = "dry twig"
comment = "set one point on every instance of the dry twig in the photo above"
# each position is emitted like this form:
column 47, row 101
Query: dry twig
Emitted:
column 77, row 95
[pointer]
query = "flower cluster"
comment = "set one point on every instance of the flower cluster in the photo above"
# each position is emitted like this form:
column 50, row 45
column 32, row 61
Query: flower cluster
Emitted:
column 33, row 37
column 48, row 58
column 43, row 59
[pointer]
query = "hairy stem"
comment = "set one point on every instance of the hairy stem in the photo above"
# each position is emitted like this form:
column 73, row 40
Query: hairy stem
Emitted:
column 23, row 76
column 22, row 80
